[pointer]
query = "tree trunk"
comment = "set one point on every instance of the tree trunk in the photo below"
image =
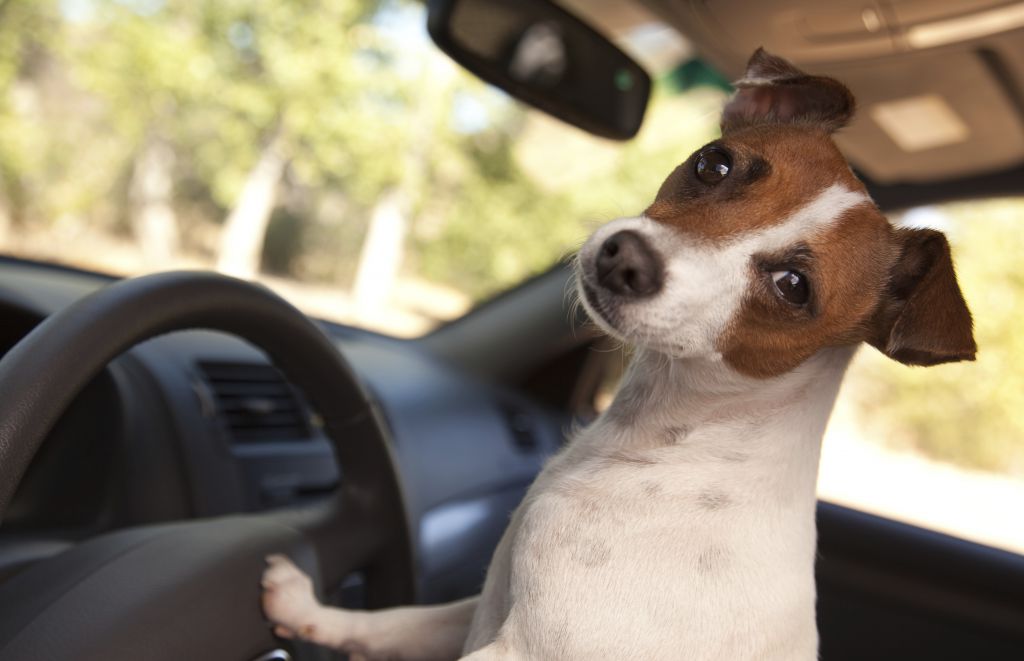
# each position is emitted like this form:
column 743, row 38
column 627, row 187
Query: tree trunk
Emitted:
column 153, row 220
column 381, row 256
column 380, row 259
column 246, row 227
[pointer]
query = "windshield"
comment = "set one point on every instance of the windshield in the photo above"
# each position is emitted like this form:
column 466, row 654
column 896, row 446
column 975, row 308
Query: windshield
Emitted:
column 327, row 149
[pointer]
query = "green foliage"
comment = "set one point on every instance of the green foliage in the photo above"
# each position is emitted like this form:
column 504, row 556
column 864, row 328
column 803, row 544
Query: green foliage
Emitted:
column 33, row 136
column 500, row 222
column 215, row 77
column 360, row 107
column 968, row 413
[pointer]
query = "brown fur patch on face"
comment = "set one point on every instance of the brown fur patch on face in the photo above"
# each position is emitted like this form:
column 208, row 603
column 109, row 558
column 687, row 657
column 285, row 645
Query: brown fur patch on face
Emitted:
column 847, row 263
column 847, row 269
column 775, row 171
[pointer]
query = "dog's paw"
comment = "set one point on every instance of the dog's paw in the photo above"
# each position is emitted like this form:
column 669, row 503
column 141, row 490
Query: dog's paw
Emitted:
column 288, row 599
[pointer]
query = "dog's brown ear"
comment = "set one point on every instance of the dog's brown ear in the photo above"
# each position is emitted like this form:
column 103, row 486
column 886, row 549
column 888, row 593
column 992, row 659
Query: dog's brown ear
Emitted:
column 924, row 319
column 774, row 91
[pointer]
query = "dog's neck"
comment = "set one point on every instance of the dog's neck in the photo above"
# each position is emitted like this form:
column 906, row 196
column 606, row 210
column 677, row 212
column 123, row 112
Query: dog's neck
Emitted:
column 699, row 412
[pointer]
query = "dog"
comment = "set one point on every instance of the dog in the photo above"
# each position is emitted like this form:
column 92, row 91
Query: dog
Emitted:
column 681, row 523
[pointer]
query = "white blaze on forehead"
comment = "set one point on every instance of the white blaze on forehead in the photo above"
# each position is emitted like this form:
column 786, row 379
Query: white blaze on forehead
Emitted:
column 705, row 284
column 820, row 213
column 724, row 272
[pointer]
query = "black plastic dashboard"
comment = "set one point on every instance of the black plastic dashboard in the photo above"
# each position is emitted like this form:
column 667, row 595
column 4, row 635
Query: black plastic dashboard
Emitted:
column 198, row 424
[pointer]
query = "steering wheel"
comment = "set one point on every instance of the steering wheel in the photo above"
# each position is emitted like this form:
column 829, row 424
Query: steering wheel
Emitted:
column 191, row 589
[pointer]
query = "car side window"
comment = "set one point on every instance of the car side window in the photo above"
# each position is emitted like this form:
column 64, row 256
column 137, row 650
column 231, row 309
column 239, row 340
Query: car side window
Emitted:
column 943, row 448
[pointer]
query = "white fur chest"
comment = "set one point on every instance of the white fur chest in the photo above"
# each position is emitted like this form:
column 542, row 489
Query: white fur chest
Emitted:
column 681, row 534
column 627, row 559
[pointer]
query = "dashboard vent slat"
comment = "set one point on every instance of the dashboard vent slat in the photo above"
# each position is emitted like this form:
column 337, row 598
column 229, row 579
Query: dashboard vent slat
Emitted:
column 255, row 403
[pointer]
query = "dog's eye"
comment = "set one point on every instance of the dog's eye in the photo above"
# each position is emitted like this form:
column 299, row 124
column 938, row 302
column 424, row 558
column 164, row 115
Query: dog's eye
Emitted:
column 713, row 166
column 792, row 285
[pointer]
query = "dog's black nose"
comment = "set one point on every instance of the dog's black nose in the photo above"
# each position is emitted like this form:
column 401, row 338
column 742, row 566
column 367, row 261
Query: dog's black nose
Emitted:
column 627, row 266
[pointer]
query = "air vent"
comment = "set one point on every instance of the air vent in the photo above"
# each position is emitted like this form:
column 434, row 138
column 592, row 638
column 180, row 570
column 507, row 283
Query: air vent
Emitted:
column 255, row 403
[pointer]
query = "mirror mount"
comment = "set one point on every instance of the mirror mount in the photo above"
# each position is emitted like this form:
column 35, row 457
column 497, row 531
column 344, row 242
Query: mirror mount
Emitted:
column 543, row 55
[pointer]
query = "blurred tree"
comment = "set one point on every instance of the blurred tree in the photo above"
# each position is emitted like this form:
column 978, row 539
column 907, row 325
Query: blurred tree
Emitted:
column 150, row 190
column 241, row 90
column 26, row 37
column 531, row 189
column 345, row 98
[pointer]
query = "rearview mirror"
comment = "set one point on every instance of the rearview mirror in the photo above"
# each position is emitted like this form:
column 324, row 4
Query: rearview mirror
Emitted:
column 545, row 56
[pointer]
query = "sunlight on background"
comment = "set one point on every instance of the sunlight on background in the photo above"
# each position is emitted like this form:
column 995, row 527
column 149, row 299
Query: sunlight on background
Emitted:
column 330, row 151
column 943, row 447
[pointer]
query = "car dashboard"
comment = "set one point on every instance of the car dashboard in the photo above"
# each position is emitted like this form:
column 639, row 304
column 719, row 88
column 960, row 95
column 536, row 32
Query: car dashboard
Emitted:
column 199, row 424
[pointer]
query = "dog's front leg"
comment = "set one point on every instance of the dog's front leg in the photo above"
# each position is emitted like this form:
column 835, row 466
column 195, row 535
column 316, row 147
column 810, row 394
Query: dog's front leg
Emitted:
column 415, row 633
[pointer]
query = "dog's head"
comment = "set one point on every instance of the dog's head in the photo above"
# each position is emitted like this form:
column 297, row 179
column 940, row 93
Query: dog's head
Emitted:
column 764, row 248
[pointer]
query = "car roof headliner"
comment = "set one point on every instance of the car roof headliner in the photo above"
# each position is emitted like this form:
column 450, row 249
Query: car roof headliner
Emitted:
column 964, row 56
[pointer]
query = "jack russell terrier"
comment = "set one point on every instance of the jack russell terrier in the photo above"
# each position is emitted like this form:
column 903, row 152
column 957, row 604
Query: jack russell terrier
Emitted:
column 680, row 524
